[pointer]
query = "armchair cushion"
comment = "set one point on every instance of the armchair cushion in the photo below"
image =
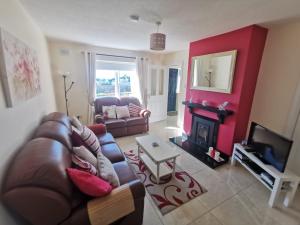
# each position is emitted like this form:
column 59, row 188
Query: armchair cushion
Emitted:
column 99, row 119
column 132, row 121
column 88, row 183
column 115, row 123
column 98, row 129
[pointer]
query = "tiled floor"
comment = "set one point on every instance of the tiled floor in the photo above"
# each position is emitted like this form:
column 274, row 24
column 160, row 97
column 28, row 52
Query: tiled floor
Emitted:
column 234, row 197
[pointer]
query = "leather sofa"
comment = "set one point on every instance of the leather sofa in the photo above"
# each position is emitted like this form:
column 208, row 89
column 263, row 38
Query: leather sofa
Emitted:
column 36, row 185
column 121, row 127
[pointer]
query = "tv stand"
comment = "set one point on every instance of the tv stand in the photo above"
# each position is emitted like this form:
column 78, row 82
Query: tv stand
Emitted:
column 274, row 180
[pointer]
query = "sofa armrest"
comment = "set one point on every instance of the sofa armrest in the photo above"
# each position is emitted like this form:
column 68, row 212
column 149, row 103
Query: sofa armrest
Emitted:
column 99, row 118
column 145, row 113
column 107, row 209
column 98, row 129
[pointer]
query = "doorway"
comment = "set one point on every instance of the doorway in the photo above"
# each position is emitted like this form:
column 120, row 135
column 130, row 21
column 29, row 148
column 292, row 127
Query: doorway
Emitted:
column 172, row 91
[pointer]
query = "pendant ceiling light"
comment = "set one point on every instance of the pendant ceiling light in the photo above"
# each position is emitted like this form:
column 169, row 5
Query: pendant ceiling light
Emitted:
column 157, row 40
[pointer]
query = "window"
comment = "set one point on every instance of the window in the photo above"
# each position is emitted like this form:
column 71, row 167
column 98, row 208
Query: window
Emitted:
column 115, row 76
column 114, row 82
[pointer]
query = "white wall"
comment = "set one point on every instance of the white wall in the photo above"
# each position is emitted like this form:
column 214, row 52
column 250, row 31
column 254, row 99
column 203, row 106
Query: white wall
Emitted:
column 18, row 123
column 68, row 57
column 180, row 59
column 277, row 83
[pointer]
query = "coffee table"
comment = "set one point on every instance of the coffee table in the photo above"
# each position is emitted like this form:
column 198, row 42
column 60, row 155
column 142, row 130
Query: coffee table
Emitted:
column 155, row 158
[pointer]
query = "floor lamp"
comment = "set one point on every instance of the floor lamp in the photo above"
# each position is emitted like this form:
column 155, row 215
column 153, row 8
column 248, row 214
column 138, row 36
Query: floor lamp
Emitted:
column 67, row 91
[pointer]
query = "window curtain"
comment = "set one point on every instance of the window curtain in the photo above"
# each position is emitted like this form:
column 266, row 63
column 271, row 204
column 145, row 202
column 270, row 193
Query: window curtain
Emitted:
column 90, row 64
column 142, row 65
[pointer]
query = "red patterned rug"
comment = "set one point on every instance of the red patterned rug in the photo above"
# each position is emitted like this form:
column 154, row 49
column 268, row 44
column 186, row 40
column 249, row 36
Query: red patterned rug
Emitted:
column 172, row 191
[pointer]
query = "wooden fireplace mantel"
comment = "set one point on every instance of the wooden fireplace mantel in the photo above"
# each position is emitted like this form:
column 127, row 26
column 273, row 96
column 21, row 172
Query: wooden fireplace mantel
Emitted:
column 221, row 114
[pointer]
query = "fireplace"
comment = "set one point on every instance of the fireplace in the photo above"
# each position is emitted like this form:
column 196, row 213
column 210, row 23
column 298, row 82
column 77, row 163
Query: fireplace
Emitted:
column 204, row 134
column 204, row 131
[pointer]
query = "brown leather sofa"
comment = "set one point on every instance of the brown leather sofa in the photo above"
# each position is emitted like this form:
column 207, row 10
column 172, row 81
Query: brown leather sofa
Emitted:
column 37, row 187
column 121, row 127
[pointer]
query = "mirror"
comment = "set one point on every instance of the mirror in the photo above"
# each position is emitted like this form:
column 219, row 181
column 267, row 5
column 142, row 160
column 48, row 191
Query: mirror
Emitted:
column 213, row 72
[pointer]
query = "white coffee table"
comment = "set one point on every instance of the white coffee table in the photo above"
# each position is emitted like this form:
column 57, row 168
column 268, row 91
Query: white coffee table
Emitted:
column 156, row 157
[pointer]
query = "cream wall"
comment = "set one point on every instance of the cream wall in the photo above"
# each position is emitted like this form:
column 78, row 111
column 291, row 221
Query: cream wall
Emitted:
column 274, row 101
column 278, row 77
column 68, row 57
column 18, row 123
column 179, row 58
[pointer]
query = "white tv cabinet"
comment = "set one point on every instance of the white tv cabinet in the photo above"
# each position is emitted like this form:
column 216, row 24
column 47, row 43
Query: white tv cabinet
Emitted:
column 286, row 182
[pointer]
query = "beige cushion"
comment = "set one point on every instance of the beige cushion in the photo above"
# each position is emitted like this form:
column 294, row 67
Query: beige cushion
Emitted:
column 76, row 123
column 109, row 111
column 106, row 170
column 122, row 112
column 90, row 140
column 85, row 154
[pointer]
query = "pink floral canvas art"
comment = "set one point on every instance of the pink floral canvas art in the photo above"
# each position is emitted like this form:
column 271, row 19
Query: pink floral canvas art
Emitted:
column 20, row 73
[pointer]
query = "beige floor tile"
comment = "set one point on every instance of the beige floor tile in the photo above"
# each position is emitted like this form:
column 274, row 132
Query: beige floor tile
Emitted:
column 237, row 177
column 206, row 219
column 150, row 216
column 259, row 195
column 237, row 211
column 218, row 190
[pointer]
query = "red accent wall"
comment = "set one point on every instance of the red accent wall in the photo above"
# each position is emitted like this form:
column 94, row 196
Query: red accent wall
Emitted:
column 249, row 43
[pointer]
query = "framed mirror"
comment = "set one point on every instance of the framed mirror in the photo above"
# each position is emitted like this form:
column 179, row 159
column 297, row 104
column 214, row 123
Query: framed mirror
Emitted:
column 213, row 72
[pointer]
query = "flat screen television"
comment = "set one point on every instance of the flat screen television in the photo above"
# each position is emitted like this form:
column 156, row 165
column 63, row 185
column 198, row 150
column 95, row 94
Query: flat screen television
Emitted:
column 269, row 147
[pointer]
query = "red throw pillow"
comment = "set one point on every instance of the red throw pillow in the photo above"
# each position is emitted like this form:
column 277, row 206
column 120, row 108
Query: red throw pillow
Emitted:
column 88, row 183
column 98, row 129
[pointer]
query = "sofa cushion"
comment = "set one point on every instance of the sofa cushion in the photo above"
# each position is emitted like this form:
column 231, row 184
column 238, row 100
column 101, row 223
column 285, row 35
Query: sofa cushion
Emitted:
column 134, row 110
column 122, row 112
column 89, row 184
column 132, row 121
column 113, row 152
column 124, row 172
column 109, row 112
column 99, row 102
column 83, row 153
column 84, row 165
column 106, row 170
column 54, row 130
column 106, row 138
column 58, row 117
column 42, row 162
column 128, row 100
column 90, row 140
column 115, row 123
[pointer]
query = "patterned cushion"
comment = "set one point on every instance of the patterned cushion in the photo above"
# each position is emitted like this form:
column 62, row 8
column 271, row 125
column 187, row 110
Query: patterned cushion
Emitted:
column 134, row 110
column 76, row 123
column 90, row 139
column 106, row 170
column 109, row 112
column 85, row 154
column 122, row 112
column 84, row 165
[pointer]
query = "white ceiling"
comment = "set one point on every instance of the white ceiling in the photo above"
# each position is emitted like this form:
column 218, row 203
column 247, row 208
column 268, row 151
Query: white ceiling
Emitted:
column 106, row 22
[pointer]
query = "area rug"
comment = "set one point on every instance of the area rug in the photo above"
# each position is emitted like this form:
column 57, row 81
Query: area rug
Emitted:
column 173, row 191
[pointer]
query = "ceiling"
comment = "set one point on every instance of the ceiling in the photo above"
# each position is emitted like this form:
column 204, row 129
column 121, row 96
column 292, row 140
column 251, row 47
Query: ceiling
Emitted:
column 106, row 22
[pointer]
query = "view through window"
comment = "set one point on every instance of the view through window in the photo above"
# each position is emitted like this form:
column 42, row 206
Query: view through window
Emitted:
column 114, row 82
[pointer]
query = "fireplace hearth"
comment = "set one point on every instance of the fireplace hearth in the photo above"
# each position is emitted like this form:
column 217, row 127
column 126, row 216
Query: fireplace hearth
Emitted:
column 204, row 134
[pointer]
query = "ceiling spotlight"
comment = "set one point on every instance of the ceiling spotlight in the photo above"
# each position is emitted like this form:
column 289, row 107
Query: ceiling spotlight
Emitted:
column 134, row 18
